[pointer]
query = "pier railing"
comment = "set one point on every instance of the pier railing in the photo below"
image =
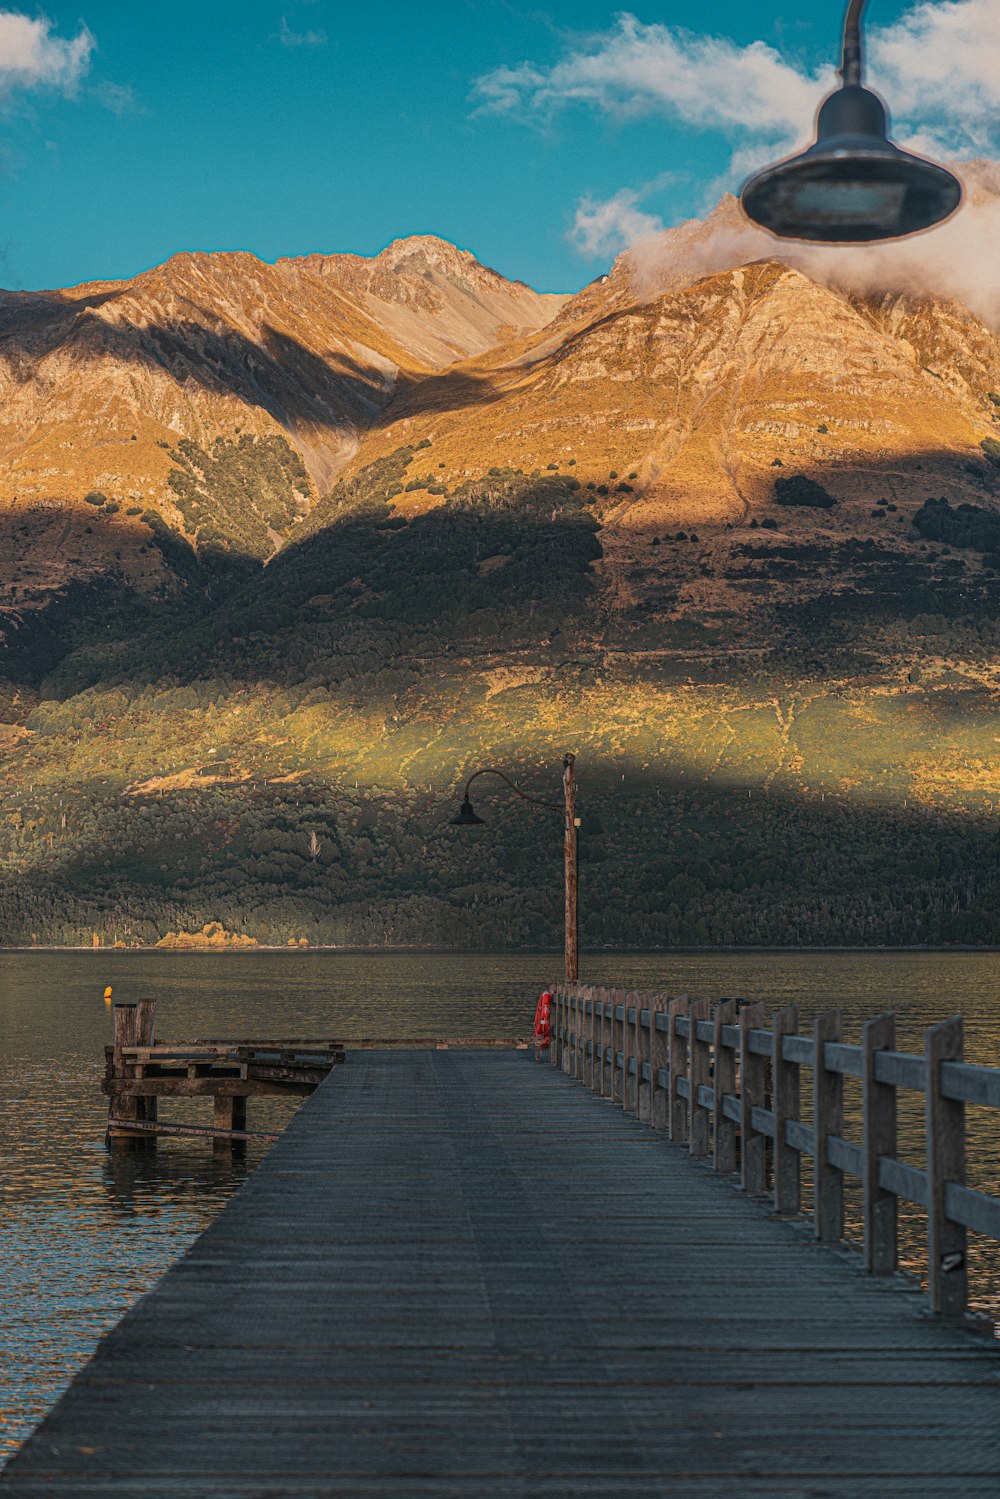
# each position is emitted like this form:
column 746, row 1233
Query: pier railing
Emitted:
column 729, row 1087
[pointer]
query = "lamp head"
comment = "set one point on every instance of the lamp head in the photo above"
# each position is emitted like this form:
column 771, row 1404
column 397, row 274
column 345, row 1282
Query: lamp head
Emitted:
column 853, row 186
column 466, row 816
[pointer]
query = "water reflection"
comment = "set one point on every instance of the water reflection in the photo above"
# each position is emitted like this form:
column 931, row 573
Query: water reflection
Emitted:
column 83, row 1232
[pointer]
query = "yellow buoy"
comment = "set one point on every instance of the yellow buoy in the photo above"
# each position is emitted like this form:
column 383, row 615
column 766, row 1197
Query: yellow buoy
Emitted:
column 107, row 995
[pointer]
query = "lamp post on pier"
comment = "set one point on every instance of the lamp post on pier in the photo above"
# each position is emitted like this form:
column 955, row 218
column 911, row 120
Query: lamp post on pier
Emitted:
column 853, row 185
column 468, row 818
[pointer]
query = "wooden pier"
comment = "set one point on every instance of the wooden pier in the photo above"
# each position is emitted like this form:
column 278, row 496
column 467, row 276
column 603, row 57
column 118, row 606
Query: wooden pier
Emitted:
column 139, row 1072
column 463, row 1275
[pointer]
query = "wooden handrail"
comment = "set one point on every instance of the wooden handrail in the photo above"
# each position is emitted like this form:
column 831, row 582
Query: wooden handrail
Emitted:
column 714, row 1079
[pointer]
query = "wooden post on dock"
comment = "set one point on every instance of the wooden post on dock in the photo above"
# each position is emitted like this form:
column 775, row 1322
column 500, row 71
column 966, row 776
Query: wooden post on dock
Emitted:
column 724, row 1151
column 606, row 1040
column 124, row 1017
column 145, row 1035
column 589, row 1036
column 678, row 1069
column 787, row 1165
column 618, row 996
column 879, row 1138
column 644, row 1058
column 828, row 1119
column 753, row 1087
column 947, row 1266
column 659, row 1061
column 630, row 1054
column 699, row 1079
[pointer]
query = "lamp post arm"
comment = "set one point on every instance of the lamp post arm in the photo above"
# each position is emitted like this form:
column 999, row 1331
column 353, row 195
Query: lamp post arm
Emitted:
column 488, row 770
column 852, row 60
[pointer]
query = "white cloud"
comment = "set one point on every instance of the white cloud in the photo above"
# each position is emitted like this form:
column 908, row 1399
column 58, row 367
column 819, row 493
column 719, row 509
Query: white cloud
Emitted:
column 635, row 69
column 938, row 65
column 289, row 38
column 32, row 57
column 118, row 97
column 604, row 228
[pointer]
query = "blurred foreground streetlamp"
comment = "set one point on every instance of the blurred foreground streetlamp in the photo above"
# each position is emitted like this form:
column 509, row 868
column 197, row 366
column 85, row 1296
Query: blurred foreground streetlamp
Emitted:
column 467, row 818
column 853, row 186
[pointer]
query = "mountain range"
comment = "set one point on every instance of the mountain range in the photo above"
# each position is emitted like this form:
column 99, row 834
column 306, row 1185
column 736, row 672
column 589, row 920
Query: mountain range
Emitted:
column 287, row 547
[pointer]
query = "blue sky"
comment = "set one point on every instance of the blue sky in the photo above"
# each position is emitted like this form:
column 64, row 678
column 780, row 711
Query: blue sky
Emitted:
column 539, row 138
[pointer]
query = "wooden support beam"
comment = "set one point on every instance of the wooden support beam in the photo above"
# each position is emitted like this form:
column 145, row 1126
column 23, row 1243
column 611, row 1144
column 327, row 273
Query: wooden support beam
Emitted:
column 602, row 1078
column 123, row 1018
column 724, row 1147
column 208, row 1087
column 575, row 1012
column 753, row 1091
column 139, row 1127
column 630, row 1049
column 555, row 1021
column 679, row 1053
column 947, row 1247
column 879, row 1138
column 700, row 1078
column 617, row 1045
column 589, row 1037
column 659, row 1057
column 643, row 1053
column 223, row 1122
column 787, row 1099
column 828, row 1119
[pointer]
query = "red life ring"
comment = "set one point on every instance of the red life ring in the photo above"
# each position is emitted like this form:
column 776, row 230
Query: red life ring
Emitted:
column 543, row 1022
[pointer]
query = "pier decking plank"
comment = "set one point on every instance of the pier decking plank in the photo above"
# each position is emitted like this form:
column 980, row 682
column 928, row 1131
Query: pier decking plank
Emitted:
column 459, row 1274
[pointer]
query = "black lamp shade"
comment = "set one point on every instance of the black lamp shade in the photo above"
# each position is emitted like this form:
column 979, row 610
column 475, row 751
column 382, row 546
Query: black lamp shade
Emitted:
column 466, row 816
column 853, row 186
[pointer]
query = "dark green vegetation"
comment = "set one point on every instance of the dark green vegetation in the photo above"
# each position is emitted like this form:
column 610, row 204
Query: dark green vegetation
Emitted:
column 800, row 490
column 279, row 748
column 242, row 494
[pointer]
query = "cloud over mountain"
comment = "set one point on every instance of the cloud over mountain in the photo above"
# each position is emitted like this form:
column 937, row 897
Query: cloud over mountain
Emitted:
column 33, row 56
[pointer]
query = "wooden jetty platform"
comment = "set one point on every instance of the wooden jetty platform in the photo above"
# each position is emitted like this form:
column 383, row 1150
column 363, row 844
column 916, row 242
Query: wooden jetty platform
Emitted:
column 139, row 1071
column 459, row 1273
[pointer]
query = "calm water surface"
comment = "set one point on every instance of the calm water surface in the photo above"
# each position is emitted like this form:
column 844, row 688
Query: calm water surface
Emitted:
column 82, row 1233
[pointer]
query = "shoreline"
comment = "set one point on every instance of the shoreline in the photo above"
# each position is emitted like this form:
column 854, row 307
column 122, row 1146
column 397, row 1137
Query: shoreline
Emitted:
column 513, row 952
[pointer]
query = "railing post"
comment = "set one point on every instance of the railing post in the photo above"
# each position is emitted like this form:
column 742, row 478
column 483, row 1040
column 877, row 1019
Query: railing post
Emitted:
column 618, row 998
column 753, row 1088
column 679, row 1052
column 587, row 1023
column 787, row 1092
column 948, row 1274
column 607, row 1042
column 630, row 1088
column 597, row 1041
column 572, row 1030
column 554, row 1022
column 643, row 1055
column 724, row 1152
column 828, row 1119
column 659, row 1061
column 879, row 1110
column 700, row 1075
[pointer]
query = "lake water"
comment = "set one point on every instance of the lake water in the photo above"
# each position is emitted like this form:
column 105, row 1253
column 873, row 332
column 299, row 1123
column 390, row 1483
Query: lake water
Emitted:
column 84, row 1233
